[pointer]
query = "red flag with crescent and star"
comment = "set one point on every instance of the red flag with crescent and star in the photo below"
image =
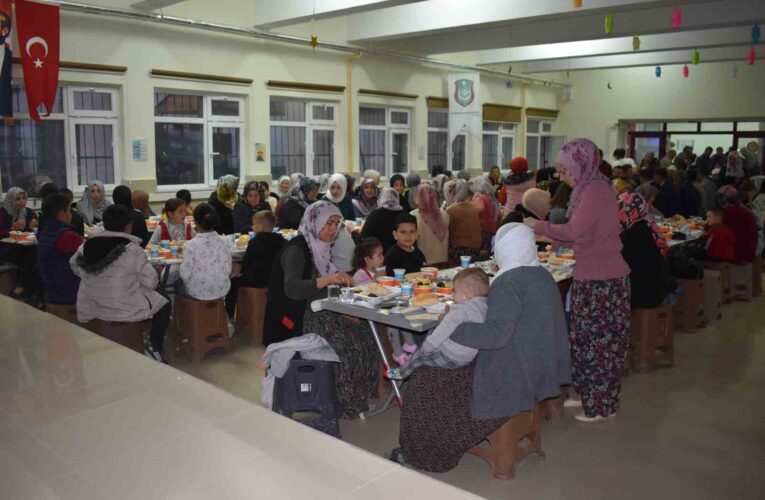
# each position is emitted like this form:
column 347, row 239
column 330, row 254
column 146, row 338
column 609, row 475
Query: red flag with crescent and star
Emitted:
column 38, row 27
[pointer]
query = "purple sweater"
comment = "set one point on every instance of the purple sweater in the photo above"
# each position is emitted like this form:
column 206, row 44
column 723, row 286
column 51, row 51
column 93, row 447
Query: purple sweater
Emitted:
column 593, row 232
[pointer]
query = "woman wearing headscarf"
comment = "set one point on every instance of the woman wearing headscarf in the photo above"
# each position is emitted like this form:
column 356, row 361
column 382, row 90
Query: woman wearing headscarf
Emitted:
column 338, row 188
column 93, row 203
column 438, row 182
column 523, row 358
column 268, row 196
column 283, row 187
column 487, row 207
column 302, row 195
column 373, row 174
column 495, row 177
column 649, row 194
column 141, row 203
column 600, row 292
column 300, row 276
column 223, row 200
column 252, row 201
column 412, row 181
column 464, row 223
column 645, row 251
column 323, row 183
column 734, row 169
column 432, row 225
column 536, row 203
column 124, row 197
column 15, row 216
column 366, row 198
column 743, row 222
column 379, row 223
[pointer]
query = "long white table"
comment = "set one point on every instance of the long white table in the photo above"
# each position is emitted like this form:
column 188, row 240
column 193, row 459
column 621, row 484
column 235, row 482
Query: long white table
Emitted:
column 82, row 417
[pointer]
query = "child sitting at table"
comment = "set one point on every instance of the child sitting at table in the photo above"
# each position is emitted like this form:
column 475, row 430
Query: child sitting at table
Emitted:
column 185, row 195
column 720, row 239
column 261, row 250
column 206, row 266
column 56, row 243
column 367, row 258
column 175, row 227
column 471, row 289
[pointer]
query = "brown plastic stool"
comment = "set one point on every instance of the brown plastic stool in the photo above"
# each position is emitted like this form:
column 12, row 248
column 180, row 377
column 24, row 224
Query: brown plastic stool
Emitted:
column 741, row 281
column 518, row 438
column 712, row 295
column 67, row 312
column 757, row 277
column 689, row 310
column 553, row 407
column 129, row 335
column 199, row 326
column 724, row 268
column 651, row 341
column 251, row 312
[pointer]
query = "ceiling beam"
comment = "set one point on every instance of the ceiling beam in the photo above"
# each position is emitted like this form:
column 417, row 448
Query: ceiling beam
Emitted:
column 630, row 60
column 273, row 14
column 573, row 26
column 719, row 37
column 152, row 5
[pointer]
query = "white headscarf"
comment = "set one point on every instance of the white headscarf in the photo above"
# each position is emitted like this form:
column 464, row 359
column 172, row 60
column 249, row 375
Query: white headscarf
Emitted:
column 389, row 199
column 342, row 182
column 515, row 246
column 9, row 204
column 314, row 219
column 279, row 186
column 89, row 209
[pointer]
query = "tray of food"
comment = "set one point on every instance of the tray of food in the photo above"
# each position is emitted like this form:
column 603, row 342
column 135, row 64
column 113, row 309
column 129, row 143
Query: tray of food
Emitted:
column 374, row 293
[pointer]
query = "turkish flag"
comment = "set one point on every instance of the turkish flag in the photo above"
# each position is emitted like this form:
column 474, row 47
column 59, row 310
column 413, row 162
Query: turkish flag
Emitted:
column 37, row 26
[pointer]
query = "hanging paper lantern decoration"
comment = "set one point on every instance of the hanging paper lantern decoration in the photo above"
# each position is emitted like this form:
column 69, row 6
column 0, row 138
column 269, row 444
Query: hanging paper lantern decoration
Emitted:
column 750, row 58
column 609, row 24
column 696, row 57
column 658, row 71
column 756, row 33
column 577, row 4
column 734, row 71
column 685, row 71
column 677, row 18
column 509, row 84
column 635, row 42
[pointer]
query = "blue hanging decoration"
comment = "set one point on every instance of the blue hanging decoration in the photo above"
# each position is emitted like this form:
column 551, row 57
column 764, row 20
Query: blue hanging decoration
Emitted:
column 658, row 71
column 509, row 84
column 756, row 33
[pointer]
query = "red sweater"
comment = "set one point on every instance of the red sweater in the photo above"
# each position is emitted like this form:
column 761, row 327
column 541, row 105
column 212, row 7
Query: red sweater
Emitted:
column 721, row 242
column 741, row 221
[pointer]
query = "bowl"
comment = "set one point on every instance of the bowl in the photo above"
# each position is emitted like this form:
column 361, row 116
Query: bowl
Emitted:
column 444, row 290
column 430, row 272
column 387, row 281
column 419, row 290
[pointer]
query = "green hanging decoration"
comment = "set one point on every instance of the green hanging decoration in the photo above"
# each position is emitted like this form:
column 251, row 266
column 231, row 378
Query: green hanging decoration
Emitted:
column 609, row 24
column 635, row 42
column 696, row 57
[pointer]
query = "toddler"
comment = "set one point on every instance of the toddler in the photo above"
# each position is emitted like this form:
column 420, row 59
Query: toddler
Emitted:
column 367, row 258
column 471, row 288
column 175, row 227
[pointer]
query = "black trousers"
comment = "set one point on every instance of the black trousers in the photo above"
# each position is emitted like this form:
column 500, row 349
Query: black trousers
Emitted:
column 159, row 324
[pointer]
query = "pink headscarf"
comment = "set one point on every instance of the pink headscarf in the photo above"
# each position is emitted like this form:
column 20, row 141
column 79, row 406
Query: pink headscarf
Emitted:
column 314, row 219
column 426, row 199
column 581, row 159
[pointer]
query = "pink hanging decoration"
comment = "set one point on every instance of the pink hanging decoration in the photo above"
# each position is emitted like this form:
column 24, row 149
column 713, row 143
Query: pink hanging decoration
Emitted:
column 677, row 18
column 750, row 58
column 685, row 71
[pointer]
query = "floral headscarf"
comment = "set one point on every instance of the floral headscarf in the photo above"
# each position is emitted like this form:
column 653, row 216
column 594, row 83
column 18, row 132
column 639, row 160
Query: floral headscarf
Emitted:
column 226, row 190
column 633, row 209
column 314, row 219
column 300, row 191
column 389, row 199
column 341, row 181
column 362, row 202
column 581, row 160
column 426, row 200
column 89, row 209
column 456, row 191
column 9, row 204
column 483, row 188
column 323, row 183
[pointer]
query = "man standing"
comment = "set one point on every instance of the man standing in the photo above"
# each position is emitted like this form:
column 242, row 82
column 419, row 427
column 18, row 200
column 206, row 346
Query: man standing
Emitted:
column 704, row 163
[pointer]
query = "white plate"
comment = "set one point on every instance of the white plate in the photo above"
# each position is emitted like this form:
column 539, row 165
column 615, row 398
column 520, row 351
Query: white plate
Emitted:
column 376, row 300
column 436, row 308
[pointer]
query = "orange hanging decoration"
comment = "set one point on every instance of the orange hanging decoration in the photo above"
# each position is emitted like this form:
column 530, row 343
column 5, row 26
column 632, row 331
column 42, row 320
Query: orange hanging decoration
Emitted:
column 577, row 4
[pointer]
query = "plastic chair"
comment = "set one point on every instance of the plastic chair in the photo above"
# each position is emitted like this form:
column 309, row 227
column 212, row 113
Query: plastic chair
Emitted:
column 309, row 386
column 67, row 312
column 651, row 341
column 757, row 277
column 199, row 326
column 712, row 295
column 518, row 438
column 251, row 312
column 689, row 310
column 724, row 269
column 741, row 281
column 129, row 335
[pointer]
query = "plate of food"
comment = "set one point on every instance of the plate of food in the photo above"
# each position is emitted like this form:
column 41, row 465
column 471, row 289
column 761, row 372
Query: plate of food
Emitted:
column 427, row 299
column 437, row 308
column 374, row 293
column 561, row 262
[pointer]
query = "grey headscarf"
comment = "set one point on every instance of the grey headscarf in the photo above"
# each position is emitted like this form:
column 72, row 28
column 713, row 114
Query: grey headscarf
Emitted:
column 412, row 181
column 9, row 204
column 90, row 210
column 389, row 199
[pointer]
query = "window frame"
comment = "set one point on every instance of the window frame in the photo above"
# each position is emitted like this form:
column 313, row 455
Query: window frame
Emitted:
column 538, row 136
column 501, row 132
column 449, row 153
column 389, row 128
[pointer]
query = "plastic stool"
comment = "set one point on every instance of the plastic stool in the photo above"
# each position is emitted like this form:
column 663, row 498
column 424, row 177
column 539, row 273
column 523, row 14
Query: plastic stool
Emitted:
column 199, row 326
column 689, row 310
column 741, row 281
column 251, row 312
column 67, row 312
column 129, row 335
column 651, row 340
column 8, row 274
column 309, row 386
column 757, row 277
column 724, row 269
column 553, row 407
column 518, row 438
column 712, row 295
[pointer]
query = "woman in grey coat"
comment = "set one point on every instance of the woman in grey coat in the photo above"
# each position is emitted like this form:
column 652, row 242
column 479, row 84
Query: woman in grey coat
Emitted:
column 523, row 358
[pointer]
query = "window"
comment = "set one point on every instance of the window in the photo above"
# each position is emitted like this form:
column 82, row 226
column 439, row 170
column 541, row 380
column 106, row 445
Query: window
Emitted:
column 198, row 138
column 384, row 139
column 498, row 144
column 540, row 143
column 77, row 143
column 438, row 136
column 302, row 137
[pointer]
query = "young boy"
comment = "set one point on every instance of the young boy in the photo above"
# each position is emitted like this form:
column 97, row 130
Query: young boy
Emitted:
column 720, row 238
column 261, row 250
column 56, row 243
column 404, row 255
column 471, row 289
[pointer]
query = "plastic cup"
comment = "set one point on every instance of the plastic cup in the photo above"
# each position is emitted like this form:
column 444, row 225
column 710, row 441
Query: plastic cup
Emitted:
column 164, row 244
column 232, row 240
column 154, row 252
column 346, row 294
column 174, row 251
column 359, row 220
column 406, row 289
column 399, row 274
column 465, row 261
column 430, row 272
column 251, row 235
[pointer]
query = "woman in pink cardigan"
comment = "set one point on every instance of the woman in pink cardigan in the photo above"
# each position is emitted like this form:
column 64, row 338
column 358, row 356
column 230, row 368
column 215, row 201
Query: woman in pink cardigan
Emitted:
column 600, row 293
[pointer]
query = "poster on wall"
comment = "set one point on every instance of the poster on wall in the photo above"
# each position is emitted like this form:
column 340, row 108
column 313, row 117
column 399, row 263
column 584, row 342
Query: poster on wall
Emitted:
column 260, row 151
column 464, row 105
column 6, row 59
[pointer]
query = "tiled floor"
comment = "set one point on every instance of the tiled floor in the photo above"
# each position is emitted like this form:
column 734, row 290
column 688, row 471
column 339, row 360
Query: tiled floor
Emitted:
column 696, row 430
